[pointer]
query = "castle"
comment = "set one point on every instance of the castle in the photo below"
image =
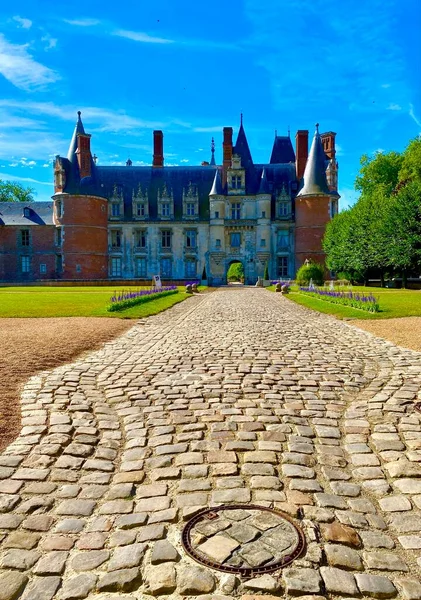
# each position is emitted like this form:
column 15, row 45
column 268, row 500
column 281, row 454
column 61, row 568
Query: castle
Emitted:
column 130, row 223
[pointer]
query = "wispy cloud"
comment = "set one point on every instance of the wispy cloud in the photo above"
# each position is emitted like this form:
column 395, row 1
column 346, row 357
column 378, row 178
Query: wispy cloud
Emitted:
column 24, row 23
column 21, row 69
column 139, row 36
column 393, row 106
column 49, row 41
column 413, row 115
column 211, row 129
column 9, row 177
column 83, row 22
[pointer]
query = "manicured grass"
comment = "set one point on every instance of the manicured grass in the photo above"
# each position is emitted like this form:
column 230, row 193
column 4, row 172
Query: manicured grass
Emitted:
column 393, row 303
column 76, row 302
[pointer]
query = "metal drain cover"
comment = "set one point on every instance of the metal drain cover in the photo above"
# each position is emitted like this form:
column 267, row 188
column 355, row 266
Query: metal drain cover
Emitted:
column 243, row 538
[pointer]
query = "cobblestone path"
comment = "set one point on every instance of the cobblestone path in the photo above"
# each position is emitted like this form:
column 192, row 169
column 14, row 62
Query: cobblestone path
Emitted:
column 233, row 397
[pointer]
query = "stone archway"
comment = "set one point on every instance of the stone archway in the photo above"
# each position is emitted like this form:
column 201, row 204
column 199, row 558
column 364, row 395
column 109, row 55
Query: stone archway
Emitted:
column 235, row 274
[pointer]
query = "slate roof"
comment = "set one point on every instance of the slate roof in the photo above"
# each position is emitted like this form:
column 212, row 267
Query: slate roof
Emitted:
column 282, row 151
column 12, row 213
column 242, row 148
column 315, row 182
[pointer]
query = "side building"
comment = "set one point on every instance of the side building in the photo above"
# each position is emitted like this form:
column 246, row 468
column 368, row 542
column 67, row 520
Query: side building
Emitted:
column 130, row 223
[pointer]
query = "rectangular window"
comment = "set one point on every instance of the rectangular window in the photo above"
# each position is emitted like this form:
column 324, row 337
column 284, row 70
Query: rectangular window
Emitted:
column 116, row 238
column 43, row 268
column 58, row 209
column 217, row 214
column 24, row 237
column 58, row 236
column 140, row 267
column 236, row 210
column 333, row 208
column 78, row 268
column 166, row 267
column 165, row 209
column 191, row 268
column 191, row 209
column 25, row 264
column 263, row 214
column 115, row 209
column 140, row 238
column 236, row 182
column 218, row 243
column 191, row 238
column 282, row 266
column 263, row 243
column 59, row 263
column 235, row 240
column 166, row 238
column 115, row 266
column 284, row 209
column 140, row 209
column 283, row 239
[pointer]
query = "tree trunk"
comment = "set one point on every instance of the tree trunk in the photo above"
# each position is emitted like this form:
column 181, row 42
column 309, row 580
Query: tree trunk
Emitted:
column 382, row 279
column 404, row 279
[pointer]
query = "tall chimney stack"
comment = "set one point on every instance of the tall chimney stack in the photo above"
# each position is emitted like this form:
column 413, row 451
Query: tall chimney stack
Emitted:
column 83, row 154
column 158, row 149
column 227, row 153
column 301, row 151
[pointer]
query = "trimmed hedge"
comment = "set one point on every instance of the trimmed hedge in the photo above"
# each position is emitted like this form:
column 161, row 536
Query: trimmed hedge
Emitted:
column 123, row 304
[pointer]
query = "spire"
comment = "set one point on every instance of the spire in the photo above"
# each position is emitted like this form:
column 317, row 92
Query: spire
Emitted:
column 212, row 162
column 73, row 144
column 315, row 183
column 242, row 148
column 264, row 186
column 217, row 185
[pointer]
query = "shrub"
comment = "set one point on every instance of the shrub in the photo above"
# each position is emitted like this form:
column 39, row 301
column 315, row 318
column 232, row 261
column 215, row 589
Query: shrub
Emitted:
column 354, row 299
column 266, row 273
column 235, row 272
column 312, row 271
column 128, row 299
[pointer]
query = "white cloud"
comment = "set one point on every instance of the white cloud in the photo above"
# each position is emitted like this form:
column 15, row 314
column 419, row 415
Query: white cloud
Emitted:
column 139, row 36
column 24, row 23
column 50, row 42
column 413, row 115
column 211, row 129
column 9, row 177
column 18, row 67
column 393, row 106
column 83, row 22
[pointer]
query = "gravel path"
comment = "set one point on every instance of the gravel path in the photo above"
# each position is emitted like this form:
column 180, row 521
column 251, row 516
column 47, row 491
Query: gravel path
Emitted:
column 33, row 345
column 405, row 331
column 236, row 397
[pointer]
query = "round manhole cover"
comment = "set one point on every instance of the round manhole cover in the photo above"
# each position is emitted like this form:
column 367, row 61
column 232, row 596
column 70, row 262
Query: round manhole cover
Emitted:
column 245, row 539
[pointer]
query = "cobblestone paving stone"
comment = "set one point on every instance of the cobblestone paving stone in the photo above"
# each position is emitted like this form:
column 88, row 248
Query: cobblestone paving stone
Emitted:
column 233, row 397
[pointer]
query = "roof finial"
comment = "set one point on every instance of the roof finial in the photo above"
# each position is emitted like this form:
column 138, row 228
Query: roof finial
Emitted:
column 241, row 119
column 289, row 132
column 212, row 162
column 78, row 114
column 317, row 128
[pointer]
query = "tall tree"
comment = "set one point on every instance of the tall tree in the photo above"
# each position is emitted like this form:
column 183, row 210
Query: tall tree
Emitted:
column 11, row 191
column 378, row 171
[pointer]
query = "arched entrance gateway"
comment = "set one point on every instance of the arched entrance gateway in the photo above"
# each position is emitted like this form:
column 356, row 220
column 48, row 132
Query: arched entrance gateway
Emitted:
column 235, row 272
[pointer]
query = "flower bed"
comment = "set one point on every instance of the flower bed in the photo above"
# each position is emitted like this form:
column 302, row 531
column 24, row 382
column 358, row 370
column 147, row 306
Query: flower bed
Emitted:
column 355, row 299
column 124, row 300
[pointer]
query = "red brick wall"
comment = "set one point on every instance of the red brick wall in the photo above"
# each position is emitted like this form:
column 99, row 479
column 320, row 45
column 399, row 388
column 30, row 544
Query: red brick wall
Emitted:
column 85, row 238
column 311, row 216
column 41, row 250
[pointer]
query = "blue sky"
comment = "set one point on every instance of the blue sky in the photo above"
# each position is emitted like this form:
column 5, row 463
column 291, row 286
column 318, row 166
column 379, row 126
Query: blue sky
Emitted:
column 191, row 67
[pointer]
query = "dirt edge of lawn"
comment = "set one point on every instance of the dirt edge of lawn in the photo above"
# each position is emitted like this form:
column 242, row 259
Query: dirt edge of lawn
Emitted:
column 31, row 345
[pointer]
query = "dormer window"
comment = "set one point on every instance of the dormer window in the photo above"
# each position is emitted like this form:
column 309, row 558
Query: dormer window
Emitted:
column 190, row 202
column 26, row 212
column 140, row 204
column 165, row 203
column 236, row 182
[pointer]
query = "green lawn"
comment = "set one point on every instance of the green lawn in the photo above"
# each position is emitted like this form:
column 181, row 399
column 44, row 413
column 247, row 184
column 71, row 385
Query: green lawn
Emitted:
column 393, row 303
column 76, row 302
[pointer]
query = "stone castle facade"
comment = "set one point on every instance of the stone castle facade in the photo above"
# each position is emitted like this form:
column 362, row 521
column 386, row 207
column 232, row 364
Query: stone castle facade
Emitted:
column 130, row 223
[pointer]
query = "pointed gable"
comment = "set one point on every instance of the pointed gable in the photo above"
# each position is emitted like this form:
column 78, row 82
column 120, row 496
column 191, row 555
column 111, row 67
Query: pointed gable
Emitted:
column 242, row 148
column 282, row 151
column 217, row 184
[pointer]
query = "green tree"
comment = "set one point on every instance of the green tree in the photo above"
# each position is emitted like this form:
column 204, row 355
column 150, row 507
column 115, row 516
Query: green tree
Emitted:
column 312, row 271
column 266, row 272
column 378, row 171
column 411, row 163
column 235, row 272
column 10, row 191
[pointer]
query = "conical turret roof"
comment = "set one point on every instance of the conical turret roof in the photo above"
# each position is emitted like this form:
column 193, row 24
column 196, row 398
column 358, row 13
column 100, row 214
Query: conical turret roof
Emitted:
column 73, row 144
column 315, row 182
column 264, row 186
column 242, row 148
column 217, row 185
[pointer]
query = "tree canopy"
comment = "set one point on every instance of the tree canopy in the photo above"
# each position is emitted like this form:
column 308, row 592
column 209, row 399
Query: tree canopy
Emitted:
column 11, row 191
column 381, row 233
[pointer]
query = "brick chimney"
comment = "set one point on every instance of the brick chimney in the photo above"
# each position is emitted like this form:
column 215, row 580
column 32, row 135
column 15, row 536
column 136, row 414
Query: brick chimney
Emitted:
column 328, row 141
column 301, row 151
column 158, row 149
column 227, row 153
column 83, row 154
